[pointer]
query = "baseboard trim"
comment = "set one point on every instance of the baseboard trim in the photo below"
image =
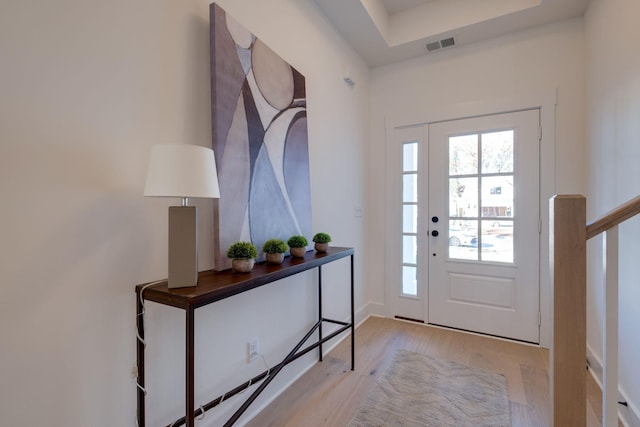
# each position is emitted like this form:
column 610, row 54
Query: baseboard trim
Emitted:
column 629, row 415
column 374, row 309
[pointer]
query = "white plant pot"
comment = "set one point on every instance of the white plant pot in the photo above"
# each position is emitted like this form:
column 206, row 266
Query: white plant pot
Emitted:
column 275, row 258
column 298, row 252
column 321, row 247
column 242, row 265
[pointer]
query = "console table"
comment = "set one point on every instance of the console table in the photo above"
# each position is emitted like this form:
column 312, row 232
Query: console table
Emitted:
column 217, row 285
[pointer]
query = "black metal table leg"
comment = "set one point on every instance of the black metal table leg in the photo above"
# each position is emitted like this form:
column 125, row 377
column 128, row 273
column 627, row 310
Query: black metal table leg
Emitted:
column 140, row 359
column 190, row 356
column 320, row 312
column 353, row 328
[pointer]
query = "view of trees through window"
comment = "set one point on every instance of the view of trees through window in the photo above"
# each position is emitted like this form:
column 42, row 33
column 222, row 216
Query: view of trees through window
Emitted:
column 481, row 182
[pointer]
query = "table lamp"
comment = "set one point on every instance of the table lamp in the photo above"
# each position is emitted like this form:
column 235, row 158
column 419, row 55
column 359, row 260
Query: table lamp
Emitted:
column 184, row 171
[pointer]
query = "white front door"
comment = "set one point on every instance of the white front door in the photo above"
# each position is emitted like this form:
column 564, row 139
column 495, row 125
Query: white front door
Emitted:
column 483, row 223
column 468, row 199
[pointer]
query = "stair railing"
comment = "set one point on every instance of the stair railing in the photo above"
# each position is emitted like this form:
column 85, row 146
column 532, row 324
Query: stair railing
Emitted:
column 568, row 237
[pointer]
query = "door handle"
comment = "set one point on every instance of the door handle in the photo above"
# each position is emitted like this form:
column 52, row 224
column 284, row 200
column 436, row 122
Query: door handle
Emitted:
column 435, row 233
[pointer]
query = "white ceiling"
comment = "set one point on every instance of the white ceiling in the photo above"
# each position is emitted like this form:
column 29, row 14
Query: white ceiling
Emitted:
column 386, row 31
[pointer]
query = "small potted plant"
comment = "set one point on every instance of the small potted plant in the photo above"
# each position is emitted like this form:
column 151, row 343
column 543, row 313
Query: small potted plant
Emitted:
column 274, row 250
column 243, row 256
column 321, row 241
column 298, row 246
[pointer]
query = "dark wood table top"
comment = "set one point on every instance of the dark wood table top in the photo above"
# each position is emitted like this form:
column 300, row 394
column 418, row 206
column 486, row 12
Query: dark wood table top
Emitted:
column 217, row 285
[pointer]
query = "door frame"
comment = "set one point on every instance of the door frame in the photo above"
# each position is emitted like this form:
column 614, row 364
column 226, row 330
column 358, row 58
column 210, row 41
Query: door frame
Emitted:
column 547, row 102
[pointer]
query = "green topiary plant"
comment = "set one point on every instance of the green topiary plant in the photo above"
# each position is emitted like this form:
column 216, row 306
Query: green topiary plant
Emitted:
column 297, row 242
column 274, row 250
column 242, row 250
column 321, row 238
column 321, row 241
column 274, row 246
column 298, row 246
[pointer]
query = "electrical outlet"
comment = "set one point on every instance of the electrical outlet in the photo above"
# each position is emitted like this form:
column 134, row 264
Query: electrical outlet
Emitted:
column 252, row 349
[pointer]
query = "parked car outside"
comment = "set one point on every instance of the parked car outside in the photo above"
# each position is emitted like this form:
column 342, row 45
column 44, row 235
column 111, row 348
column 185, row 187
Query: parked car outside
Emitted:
column 460, row 237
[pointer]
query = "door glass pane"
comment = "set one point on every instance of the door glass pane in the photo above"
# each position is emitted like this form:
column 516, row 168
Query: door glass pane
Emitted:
column 497, row 152
column 410, row 157
column 409, row 280
column 491, row 239
column 497, row 196
column 409, row 249
column 463, row 197
column 409, row 218
column 463, row 155
column 497, row 241
column 410, row 188
column 461, row 237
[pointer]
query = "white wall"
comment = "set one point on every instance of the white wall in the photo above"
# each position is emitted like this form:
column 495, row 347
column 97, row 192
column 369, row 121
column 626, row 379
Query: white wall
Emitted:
column 613, row 138
column 519, row 70
column 86, row 88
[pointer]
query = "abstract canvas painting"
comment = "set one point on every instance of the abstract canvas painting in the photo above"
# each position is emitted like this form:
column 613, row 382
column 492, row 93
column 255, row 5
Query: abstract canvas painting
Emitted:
column 259, row 121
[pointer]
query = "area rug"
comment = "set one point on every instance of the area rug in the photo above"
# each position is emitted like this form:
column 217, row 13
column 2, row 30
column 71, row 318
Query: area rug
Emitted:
column 419, row 390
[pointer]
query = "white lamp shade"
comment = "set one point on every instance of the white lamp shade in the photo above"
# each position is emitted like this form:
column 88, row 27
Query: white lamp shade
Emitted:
column 182, row 170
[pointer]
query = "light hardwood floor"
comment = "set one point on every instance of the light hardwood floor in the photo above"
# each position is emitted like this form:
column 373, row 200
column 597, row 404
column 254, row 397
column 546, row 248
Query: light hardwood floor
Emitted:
column 329, row 393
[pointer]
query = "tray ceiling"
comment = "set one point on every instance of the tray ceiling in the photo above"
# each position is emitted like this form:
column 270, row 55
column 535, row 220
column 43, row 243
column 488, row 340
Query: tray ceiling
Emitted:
column 386, row 31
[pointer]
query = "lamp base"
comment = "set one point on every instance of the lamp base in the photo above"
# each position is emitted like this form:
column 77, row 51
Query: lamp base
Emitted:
column 183, row 246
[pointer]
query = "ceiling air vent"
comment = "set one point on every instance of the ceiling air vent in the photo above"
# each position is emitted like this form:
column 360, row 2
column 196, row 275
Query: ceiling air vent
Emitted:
column 440, row 44
column 433, row 46
column 448, row 42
